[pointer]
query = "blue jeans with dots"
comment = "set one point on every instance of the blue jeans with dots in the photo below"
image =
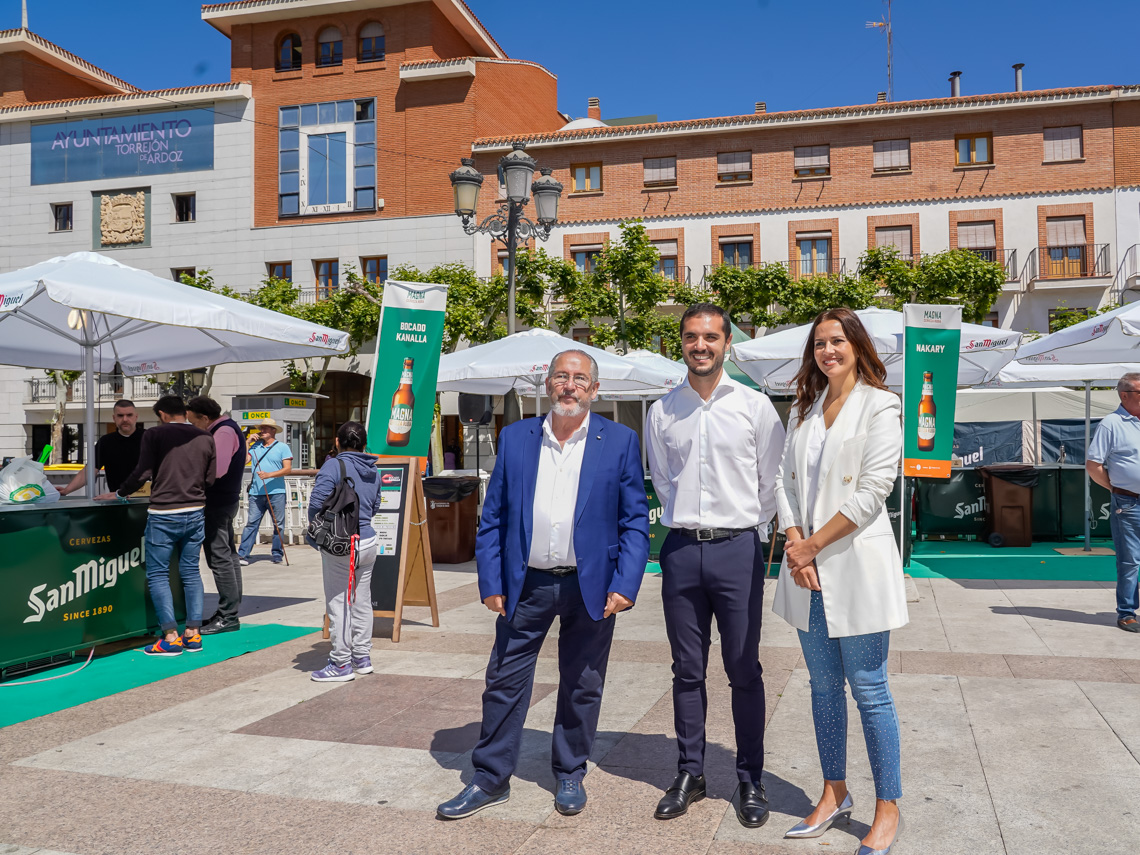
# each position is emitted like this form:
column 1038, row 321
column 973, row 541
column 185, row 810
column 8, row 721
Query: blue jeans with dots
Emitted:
column 861, row 660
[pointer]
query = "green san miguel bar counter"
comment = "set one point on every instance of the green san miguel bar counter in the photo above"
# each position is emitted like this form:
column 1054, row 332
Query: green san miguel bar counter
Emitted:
column 73, row 575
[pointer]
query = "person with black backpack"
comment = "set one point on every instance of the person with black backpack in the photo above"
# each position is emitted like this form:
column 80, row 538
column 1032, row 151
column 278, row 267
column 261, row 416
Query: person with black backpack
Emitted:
column 345, row 497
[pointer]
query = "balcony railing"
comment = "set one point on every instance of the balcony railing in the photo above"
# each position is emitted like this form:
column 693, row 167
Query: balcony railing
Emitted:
column 678, row 274
column 1079, row 261
column 1007, row 258
column 1128, row 273
column 798, row 268
column 108, row 388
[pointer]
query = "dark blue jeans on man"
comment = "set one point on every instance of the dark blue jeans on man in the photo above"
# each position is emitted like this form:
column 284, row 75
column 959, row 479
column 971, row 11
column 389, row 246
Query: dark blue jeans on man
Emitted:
column 722, row 578
column 259, row 507
column 1124, row 523
column 164, row 534
column 583, row 653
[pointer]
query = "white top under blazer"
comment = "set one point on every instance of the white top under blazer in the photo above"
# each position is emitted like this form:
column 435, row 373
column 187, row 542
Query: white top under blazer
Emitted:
column 860, row 575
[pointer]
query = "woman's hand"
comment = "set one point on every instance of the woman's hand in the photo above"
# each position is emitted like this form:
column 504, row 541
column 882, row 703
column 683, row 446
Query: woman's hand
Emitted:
column 800, row 553
column 807, row 577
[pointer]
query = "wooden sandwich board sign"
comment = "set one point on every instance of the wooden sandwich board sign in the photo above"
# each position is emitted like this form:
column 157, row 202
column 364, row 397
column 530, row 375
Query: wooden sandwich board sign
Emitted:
column 403, row 574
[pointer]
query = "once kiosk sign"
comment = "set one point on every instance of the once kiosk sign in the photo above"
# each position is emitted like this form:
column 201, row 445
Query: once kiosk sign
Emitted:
column 123, row 146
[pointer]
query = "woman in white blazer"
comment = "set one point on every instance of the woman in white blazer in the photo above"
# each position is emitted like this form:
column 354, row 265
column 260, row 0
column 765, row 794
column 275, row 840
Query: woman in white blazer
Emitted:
column 841, row 580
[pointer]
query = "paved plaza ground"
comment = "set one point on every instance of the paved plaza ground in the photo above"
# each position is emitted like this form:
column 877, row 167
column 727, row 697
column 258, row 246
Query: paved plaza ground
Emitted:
column 1019, row 703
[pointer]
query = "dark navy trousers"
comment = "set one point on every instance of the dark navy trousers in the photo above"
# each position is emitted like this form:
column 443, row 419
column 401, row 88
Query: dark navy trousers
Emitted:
column 583, row 653
column 722, row 579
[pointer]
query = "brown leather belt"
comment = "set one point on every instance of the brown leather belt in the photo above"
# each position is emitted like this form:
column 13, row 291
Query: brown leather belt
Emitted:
column 1120, row 491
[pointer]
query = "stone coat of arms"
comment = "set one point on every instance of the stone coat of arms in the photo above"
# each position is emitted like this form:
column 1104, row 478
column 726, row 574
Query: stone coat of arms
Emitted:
column 122, row 218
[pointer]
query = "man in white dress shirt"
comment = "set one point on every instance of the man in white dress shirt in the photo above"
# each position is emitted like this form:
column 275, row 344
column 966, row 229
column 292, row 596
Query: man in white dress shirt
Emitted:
column 564, row 534
column 714, row 448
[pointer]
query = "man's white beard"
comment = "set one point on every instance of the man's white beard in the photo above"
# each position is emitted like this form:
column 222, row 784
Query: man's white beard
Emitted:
column 569, row 412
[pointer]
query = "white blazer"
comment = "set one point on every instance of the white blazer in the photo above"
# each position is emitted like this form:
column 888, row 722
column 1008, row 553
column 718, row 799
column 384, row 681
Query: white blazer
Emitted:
column 860, row 575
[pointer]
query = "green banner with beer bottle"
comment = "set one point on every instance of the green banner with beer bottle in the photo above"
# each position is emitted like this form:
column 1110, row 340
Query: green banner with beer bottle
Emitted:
column 931, row 343
column 402, row 400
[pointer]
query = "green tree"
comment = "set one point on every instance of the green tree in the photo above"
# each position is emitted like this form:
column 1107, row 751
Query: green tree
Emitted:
column 1064, row 316
column 768, row 295
column 624, row 297
column 956, row 275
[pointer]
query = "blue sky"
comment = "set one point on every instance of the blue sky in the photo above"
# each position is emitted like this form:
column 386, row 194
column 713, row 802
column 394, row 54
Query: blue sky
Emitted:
column 684, row 60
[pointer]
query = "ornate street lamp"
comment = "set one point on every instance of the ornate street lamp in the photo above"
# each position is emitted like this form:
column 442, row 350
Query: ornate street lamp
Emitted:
column 508, row 225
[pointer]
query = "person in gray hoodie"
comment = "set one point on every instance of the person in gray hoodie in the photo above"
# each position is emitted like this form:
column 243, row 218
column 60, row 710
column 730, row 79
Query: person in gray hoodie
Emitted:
column 350, row 613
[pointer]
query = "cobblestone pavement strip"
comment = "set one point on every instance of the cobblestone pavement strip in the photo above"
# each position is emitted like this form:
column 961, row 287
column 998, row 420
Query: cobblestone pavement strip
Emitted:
column 991, row 679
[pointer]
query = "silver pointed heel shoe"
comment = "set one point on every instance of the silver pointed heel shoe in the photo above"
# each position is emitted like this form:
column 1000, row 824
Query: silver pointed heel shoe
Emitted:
column 803, row 831
column 867, row 850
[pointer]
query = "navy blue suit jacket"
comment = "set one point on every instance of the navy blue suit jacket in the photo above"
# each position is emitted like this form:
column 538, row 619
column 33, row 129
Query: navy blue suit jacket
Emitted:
column 611, row 517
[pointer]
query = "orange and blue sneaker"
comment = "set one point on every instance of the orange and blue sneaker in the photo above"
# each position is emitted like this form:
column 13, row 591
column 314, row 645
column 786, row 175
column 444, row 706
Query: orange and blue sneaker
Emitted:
column 192, row 643
column 162, row 647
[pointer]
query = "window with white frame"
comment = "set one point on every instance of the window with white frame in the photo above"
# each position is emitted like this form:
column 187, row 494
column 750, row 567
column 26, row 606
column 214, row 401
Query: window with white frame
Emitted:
column 813, row 161
column 1063, row 144
column 61, row 215
column 327, row 157
column 892, row 155
column 734, row 166
column 660, row 171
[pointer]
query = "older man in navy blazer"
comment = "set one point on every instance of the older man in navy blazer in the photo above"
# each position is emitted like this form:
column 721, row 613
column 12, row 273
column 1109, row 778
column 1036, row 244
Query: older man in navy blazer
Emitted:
column 565, row 533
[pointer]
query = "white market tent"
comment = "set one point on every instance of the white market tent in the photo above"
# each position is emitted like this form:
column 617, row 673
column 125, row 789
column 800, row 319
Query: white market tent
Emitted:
column 773, row 360
column 521, row 361
column 87, row 312
column 1096, row 351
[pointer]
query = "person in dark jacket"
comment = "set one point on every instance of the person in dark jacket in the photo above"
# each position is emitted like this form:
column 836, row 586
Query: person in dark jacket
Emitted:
column 222, row 499
column 350, row 613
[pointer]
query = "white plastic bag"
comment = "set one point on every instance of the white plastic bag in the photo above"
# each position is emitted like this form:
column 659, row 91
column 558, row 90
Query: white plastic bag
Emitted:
column 22, row 482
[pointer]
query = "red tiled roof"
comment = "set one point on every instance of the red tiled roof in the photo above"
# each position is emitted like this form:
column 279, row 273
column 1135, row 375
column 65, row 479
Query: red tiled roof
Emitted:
column 237, row 4
column 39, row 40
column 126, row 96
column 880, row 107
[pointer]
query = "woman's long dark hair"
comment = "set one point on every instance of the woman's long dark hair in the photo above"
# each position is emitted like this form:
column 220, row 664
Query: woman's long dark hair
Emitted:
column 810, row 379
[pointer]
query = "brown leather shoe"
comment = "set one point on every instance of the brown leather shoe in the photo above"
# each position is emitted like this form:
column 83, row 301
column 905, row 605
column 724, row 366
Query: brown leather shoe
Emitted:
column 1129, row 624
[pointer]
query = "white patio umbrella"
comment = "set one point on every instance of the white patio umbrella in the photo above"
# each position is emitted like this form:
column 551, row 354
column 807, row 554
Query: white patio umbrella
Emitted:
column 773, row 360
column 87, row 312
column 674, row 373
column 521, row 362
column 1096, row 351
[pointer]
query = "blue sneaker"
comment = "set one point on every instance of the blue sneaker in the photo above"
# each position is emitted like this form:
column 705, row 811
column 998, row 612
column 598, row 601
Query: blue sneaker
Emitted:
column 363, row 665
column 333, row 673
column 162, row 647
column 570, row 798
column 192, row 643
column 471, row 801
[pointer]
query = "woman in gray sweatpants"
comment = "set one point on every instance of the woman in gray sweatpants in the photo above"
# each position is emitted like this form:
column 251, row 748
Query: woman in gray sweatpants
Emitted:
column 349, row 611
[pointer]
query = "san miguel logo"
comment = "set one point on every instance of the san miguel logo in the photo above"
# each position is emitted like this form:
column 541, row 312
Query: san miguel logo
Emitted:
column 986, row 343
column 323, row 338
column 12, row 301
column 101, row 573
column 1098, row 330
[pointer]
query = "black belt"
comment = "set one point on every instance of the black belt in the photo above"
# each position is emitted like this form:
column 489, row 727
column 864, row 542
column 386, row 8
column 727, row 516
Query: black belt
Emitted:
column 561, row 570
column 1120, row 491
column 707, row 534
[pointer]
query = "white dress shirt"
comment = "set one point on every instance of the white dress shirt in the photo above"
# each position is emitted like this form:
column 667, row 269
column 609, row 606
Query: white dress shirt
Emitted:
column 714, row 462
column 555, row 497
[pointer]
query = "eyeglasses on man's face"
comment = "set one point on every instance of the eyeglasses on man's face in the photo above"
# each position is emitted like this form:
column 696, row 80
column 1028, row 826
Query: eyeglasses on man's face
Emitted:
column 582, row 381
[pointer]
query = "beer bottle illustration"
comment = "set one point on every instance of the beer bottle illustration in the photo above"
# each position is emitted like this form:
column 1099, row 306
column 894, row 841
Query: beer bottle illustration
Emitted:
column 926, row 413
column 403, row 403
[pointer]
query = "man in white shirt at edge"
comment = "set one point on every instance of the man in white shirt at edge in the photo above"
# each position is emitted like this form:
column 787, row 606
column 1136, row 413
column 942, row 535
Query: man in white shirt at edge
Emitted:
column 714, row 448
column 564, row 534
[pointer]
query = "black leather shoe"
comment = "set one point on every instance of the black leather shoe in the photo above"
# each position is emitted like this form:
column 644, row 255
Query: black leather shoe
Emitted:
column 751, row 805
column 220, row 624
column 685, row 790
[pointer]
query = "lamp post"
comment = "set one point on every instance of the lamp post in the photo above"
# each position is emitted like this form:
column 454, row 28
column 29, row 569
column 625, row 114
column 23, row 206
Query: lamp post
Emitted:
column 508, row 224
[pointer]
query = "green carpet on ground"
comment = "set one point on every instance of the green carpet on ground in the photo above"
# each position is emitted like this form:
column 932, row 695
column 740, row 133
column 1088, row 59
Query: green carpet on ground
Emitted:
column 978, row 560
column 23, row 699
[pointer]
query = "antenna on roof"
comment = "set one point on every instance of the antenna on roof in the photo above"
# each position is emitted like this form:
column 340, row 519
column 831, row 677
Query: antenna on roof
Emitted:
column 885, row 24
column 24, row 17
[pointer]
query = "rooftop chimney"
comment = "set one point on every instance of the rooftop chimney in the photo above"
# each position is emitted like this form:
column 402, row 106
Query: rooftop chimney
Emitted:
column 761, row 107
column 1018, row 86
column 955, row 84
column 881, row 98
column 594, row 110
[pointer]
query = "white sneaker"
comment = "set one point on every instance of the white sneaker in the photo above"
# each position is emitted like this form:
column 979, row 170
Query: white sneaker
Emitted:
column 244, row 562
